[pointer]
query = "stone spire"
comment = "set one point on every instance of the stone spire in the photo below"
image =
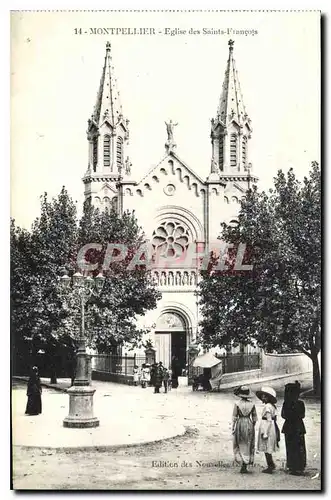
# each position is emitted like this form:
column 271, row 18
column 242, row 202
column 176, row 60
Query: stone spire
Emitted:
column 231, row 128
column 108, row 98
column 108, row 131
column 231, row 105
column 108, row 138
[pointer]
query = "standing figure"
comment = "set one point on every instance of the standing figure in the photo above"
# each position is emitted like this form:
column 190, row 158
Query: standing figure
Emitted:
column 170, row 130
column 175, row 369
column 269, row 435
column 153, row 372
column 33, row 392
column 136, row 374
column 293, row 412
column 145, row 376
column 169, row 379
column 165, row 378
column 244, row 418
column 158, row 377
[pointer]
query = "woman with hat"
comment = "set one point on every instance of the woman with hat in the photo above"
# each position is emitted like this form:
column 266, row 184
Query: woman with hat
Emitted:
column 243, row 428
column 268, row 436
column 33, row 406
column 293, row 412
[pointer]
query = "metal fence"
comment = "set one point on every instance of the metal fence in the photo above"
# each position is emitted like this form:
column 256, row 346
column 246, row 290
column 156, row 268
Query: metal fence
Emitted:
column 120, row 365
column 241, row 362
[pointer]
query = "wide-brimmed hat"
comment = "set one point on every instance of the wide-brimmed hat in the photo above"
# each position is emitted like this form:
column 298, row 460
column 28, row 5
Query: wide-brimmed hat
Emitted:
column 242, row 392
column 267, row 391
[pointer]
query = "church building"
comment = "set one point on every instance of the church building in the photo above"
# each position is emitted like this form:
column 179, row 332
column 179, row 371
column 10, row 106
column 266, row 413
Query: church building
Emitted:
column 176, row 208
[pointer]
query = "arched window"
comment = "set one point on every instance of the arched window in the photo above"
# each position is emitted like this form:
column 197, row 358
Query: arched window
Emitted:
column 95, row 153
column 106, row 151
column 114, row 203
column 106, row 203
column 221, row 153
column 244, row 151
column 233, row 150
column 119, row 152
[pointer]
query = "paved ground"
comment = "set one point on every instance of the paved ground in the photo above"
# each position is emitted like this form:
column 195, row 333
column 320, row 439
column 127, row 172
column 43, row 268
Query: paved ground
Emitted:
column 201, row 459
column 116, row 429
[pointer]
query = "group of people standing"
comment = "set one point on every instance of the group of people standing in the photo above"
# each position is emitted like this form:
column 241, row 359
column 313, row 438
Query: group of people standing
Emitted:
column 245, row 418
column 155, row 375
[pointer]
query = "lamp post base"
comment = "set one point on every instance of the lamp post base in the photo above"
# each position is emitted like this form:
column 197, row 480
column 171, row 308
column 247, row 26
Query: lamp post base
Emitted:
column 81, row 408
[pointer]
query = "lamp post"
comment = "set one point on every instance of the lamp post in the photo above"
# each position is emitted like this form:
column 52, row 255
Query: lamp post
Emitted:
column 81, row 393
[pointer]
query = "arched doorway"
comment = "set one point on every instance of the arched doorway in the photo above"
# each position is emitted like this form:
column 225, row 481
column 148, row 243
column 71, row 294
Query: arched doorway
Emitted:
column 171, row 339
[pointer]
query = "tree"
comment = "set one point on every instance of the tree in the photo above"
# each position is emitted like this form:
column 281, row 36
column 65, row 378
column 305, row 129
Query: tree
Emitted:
column 37, row 258
column 41, row 318
column 127, row 293
column 278, row 303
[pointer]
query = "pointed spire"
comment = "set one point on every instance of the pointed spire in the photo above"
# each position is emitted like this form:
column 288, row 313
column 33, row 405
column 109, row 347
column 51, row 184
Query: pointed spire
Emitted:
column 231, row 105
column 108, row 106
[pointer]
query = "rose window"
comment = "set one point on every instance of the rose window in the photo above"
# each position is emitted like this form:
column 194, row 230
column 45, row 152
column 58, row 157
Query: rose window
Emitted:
column 171, row 239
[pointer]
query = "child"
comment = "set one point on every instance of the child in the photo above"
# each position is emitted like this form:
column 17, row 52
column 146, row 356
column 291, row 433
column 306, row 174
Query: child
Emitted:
column 144, row 375
column 268, row 436
column 135, row 375
column 169, row 379
column 244, row 419
column 293, row 412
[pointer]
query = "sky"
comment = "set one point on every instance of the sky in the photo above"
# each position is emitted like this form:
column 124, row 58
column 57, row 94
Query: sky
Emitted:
column 55, row 75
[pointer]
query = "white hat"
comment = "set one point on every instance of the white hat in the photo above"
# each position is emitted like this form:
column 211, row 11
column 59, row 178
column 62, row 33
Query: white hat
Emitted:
column 268, row 391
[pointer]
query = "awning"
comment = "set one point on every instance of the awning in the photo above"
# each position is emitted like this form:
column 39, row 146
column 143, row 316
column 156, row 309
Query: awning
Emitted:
column 206, row 360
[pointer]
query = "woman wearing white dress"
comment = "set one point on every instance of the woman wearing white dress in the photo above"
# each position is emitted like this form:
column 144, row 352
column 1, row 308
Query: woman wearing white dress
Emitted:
column 268, row 436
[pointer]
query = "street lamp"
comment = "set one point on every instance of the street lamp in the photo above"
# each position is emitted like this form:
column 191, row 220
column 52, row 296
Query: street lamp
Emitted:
column 81, row 393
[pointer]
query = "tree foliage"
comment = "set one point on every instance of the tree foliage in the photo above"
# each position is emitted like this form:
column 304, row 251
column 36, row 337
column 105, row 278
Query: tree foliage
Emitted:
column 278, row 303
column 127, row 292
column 41, row 316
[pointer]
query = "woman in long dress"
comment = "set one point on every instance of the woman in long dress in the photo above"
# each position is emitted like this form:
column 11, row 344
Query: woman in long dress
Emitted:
column 33, row 406
column 268, row 436
column 293, row 412
column 243, row 428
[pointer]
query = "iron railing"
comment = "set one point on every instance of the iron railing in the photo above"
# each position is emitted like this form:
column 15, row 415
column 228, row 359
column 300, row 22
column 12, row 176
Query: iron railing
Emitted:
column 120, row 365
column 241, row 362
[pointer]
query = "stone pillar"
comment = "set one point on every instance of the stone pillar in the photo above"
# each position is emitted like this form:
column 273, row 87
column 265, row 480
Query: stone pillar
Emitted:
column 150, row 355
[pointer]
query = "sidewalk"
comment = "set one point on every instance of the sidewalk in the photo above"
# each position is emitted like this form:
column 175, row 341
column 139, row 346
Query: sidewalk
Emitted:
column 124, row 420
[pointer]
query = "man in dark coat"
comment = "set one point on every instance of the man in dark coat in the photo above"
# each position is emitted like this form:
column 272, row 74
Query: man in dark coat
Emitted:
column 175, row 368
column 158, row 378
column 153, row 371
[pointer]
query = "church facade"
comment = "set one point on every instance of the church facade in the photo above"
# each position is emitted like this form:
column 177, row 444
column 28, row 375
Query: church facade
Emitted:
column 177, row 209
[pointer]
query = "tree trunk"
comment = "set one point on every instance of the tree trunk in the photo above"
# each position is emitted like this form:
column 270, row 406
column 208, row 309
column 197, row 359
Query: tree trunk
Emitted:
column 53, row 375
column 53, row 369
column 316, row 375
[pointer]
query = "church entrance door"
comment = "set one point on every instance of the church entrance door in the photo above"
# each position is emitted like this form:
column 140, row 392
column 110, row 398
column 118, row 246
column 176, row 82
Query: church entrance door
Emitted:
column 178, row 349
column 170, row 340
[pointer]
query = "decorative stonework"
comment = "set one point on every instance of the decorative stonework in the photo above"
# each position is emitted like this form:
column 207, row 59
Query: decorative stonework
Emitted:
column 169, row 321
column 166, row 278
column 169, row 190
column 171, row 239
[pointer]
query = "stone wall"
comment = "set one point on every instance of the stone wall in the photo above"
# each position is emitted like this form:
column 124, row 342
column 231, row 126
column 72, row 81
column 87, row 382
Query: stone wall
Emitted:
column 285, row 363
